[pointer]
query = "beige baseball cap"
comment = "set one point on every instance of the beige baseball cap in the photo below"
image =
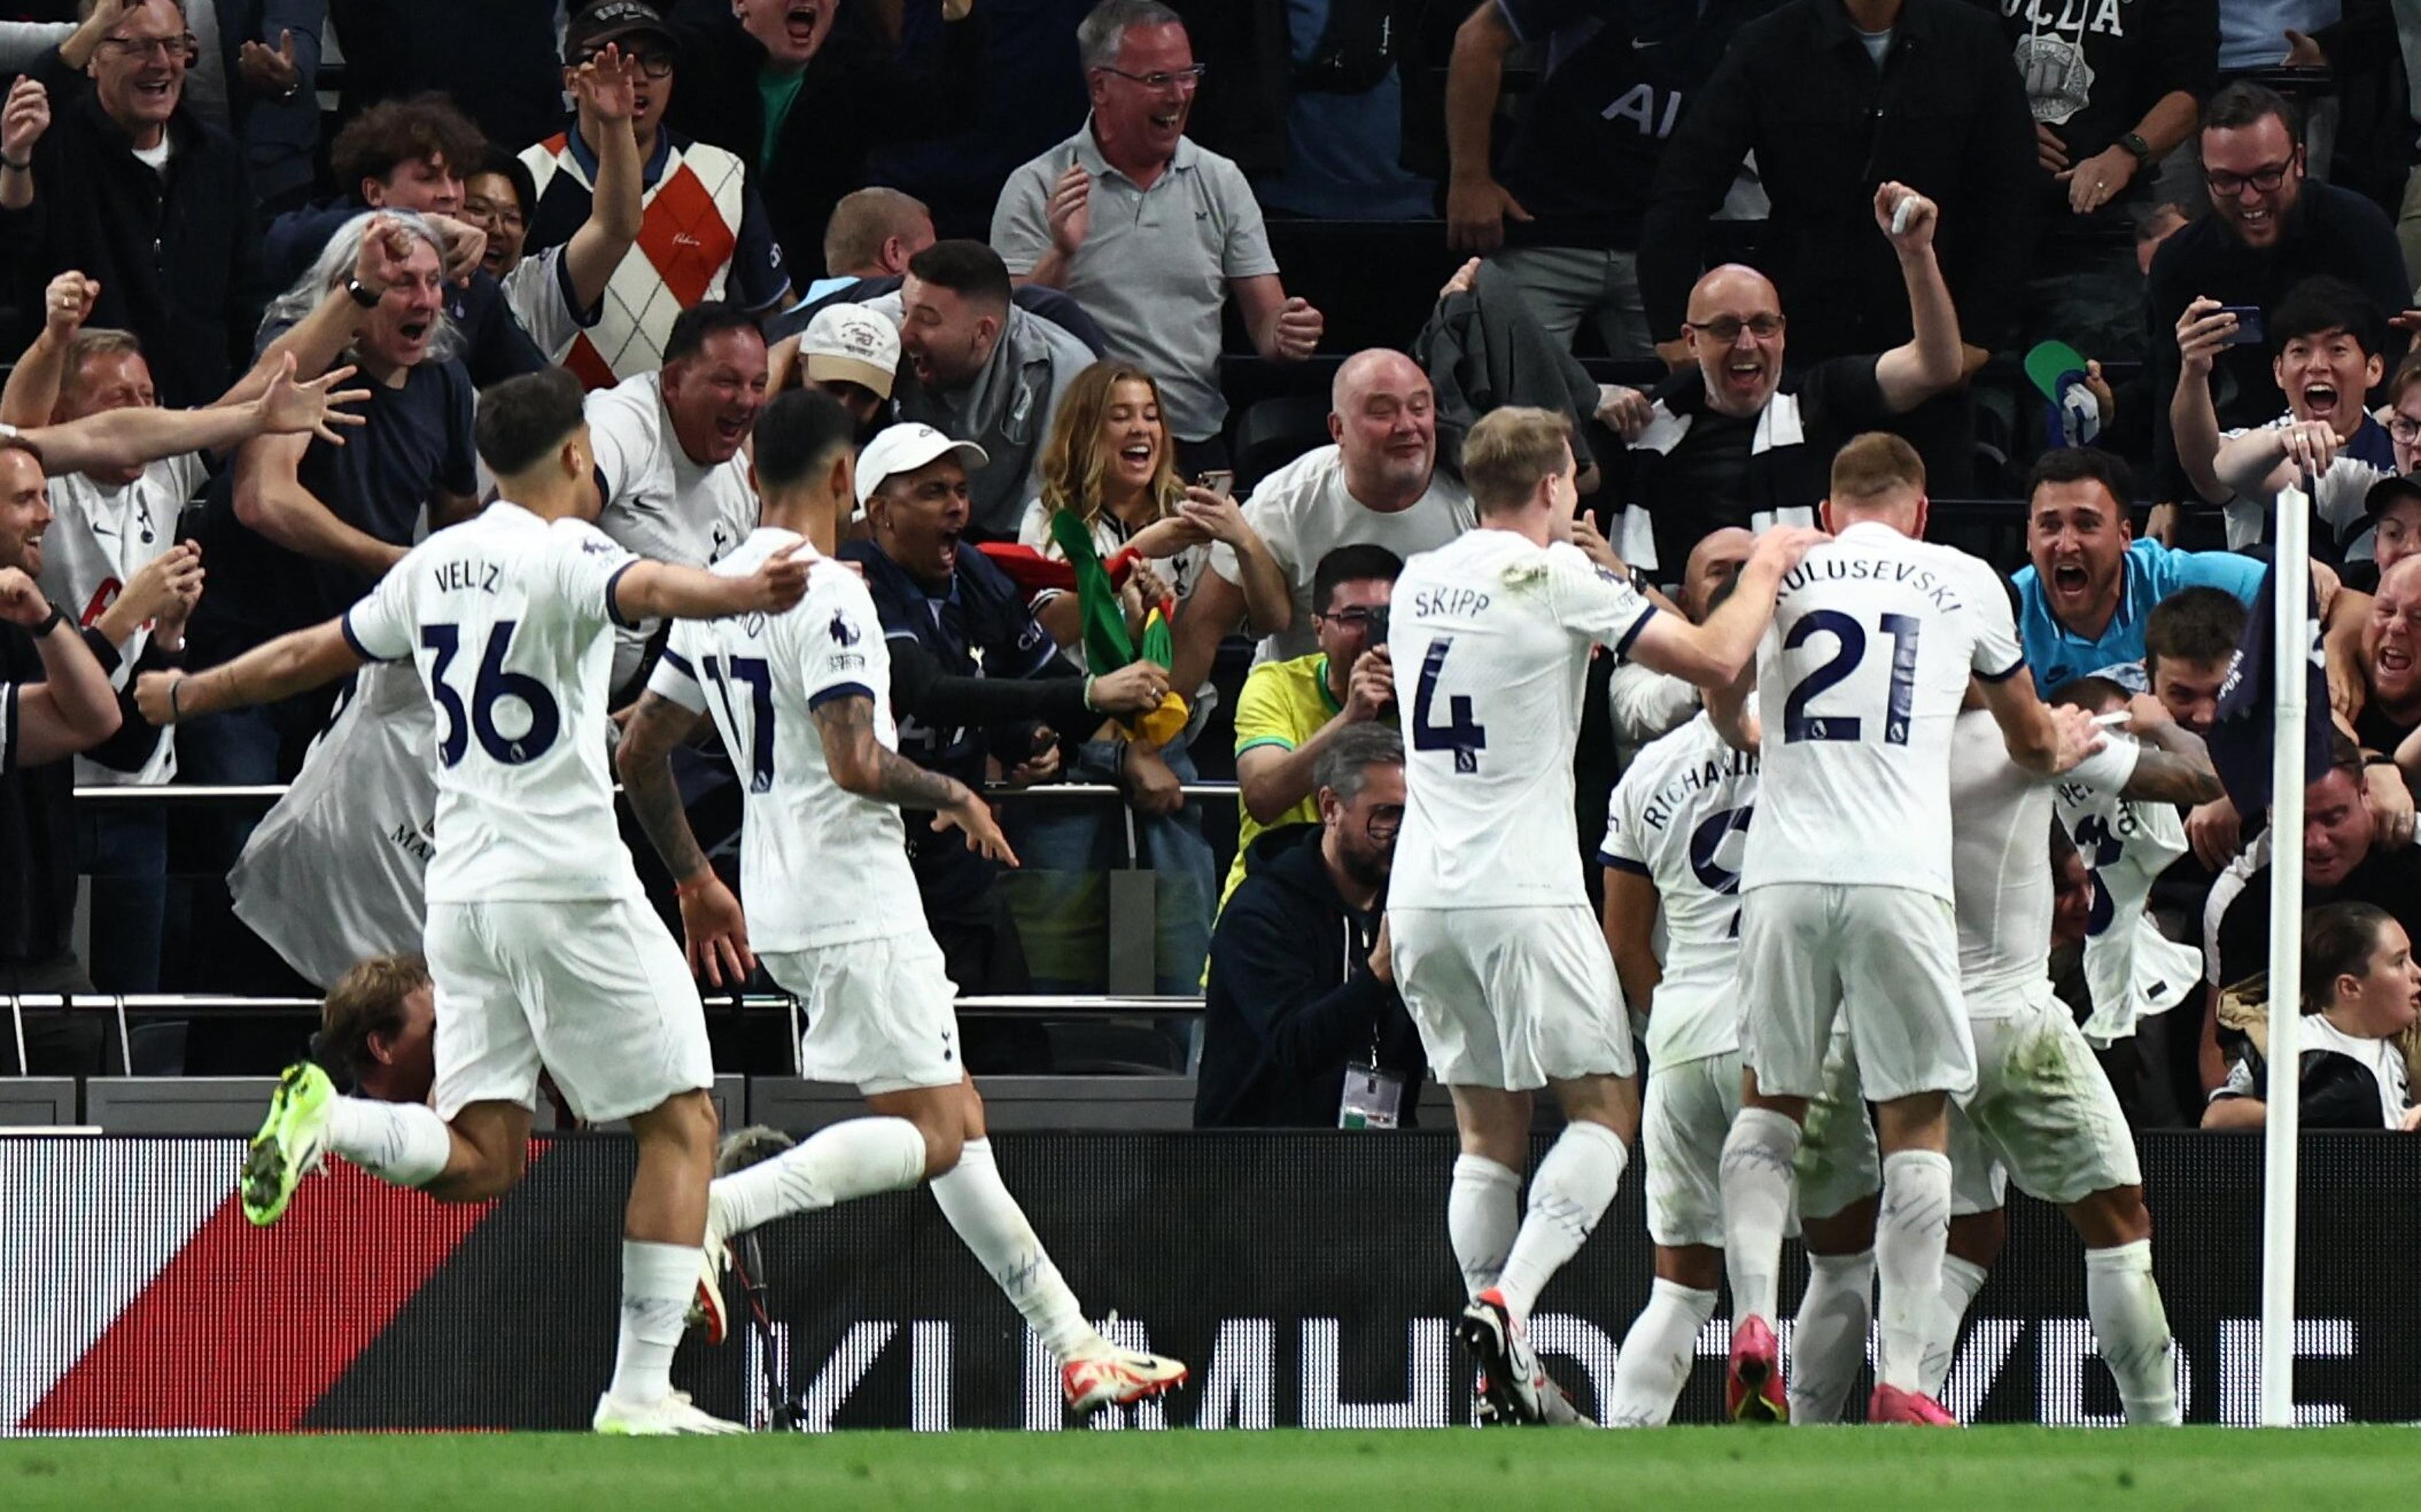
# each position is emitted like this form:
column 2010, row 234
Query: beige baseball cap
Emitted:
column 850, row 344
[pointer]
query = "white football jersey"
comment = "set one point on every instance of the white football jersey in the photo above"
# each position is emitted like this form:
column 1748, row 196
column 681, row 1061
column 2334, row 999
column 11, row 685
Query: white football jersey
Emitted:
column 819, row 865
column 1859, row 680
column 1491, row 637
column 2001, row 863
column 1680, row 818
column 2131, row 968
column 511, row 621
column 98, row 540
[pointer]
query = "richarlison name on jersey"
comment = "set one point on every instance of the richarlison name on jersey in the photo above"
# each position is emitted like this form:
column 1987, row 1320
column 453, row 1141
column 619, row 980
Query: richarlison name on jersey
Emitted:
column 1834, row 567
column 1731, row 766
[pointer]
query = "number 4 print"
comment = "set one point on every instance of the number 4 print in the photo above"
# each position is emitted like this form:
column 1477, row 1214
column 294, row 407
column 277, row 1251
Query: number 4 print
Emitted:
column 1462, row 735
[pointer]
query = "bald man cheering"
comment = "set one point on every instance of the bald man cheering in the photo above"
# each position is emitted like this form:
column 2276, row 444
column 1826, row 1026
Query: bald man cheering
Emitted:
column 1720, row 445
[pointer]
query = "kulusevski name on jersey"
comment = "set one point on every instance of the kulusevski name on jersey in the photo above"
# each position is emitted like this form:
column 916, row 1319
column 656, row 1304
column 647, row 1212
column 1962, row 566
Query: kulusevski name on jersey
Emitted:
column 1860, row 677
column 819, row 865
column 1492, row 644
column 509, row 620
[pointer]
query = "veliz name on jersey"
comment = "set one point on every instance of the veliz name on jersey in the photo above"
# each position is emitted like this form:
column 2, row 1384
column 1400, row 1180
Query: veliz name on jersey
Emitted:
column 465, row 577
column 1430, row 601
column 1698, row 778
column 1874, row 570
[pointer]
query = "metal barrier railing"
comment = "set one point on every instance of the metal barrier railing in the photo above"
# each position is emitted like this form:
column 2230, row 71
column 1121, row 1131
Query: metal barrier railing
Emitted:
column 738, row 1004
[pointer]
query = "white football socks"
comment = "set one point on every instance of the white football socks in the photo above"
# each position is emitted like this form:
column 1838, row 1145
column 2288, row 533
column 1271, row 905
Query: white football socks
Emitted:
column 994, row 1227
column 1829, row 1342
column 1910, row 1233
column 1567, row 1195
column 2133, row 1331
column 1758, row 1188
column 405, row 1143
column 1960, row 1280
column 1654, row 1363
column 1483, row 1211
column 856, row 1158
column 658, row 1281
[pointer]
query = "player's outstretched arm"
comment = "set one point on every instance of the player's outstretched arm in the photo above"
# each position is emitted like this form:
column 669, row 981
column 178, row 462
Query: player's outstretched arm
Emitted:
column 2174, row 765
column 1714, row 651
column 660, row 591
column 862, row 764
column 2044, row 738
column 714, row 932
column 292, row 663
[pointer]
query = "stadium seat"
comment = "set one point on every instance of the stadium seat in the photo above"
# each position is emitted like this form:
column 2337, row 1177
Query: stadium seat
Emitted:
column 1275, row 432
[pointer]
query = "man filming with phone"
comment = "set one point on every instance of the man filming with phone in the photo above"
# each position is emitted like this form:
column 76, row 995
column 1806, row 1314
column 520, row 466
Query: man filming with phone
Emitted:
column 2271, row 227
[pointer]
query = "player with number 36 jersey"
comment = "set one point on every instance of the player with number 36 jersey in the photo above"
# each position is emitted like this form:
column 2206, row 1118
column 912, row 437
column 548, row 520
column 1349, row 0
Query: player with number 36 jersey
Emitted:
column 1501, row 965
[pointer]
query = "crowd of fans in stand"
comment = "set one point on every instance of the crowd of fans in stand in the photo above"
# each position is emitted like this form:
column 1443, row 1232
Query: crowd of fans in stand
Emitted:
column 2141, row 269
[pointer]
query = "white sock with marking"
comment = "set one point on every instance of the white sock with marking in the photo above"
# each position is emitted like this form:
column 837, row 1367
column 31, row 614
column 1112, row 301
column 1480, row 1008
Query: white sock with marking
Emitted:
column 1757, row 1190
column 1912, row 1233
column 1960, row 1280
column 1654, row 1362
column 2134, row 1330
column 1483, row 1213
column 978, row 1206
column 856, row 1158
column 1829, row 1342
column 1567, row 1195
column 658, row 1281
column 404, row 1144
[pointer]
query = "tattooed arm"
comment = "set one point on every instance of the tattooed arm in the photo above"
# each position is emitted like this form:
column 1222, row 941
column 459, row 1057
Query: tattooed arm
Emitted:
column 713, row 929
column 864, row 765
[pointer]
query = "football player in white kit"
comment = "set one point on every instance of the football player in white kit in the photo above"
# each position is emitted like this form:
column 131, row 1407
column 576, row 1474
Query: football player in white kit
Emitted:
column 1846, row 894
column 1505, row 973
column 2043, row 1113
column 543, row 948
column 803, row 700
column 1674, row 833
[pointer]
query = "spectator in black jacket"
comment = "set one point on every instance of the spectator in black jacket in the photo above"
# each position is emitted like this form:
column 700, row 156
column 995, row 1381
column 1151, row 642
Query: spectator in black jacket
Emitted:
column 117, row 177
column 1302, row 995
column 1836, row 96
column 2271, row 227
column 2113, row 91
column 802, row 93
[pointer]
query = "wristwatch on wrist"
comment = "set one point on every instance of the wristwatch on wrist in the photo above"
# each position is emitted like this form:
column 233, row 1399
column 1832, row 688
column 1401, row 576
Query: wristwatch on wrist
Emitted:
column 2137, row 148
column 363, row 294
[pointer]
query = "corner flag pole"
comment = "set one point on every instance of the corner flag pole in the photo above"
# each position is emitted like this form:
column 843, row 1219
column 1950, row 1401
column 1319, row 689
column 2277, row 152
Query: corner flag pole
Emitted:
column 2290, row 595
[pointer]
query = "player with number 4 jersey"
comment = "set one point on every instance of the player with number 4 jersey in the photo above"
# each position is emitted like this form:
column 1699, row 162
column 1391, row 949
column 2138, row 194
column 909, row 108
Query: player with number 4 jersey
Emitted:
column 1845, row 893
column 1491, row 939
column 542, row 948
column 803, row 701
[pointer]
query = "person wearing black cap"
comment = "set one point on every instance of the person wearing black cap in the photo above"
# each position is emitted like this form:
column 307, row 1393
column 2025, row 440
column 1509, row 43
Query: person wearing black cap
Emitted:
column 712, row 239
column 2392, row 506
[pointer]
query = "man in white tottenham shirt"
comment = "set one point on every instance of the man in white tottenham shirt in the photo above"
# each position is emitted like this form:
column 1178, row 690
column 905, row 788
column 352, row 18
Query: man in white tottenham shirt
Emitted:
column 544, row 950
column 1379, row 485
column 1845, row 893
column 803, row 702
column 1503, row 969
column 668, row 454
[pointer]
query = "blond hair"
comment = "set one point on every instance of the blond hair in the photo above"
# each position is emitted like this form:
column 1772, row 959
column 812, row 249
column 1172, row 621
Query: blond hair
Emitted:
column 1510, row 451
column 1873, row 464
column 1074, row 461
column 367, row 1000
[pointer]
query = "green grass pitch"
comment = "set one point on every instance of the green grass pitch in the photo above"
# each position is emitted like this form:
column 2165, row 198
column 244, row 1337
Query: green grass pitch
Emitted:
column 1867, row 1470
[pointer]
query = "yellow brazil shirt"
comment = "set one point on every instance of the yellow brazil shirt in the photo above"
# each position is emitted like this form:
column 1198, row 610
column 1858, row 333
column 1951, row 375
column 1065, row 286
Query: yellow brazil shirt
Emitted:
column 1283, row 705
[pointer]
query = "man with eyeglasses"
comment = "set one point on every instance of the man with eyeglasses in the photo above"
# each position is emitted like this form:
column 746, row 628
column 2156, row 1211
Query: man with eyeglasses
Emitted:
column 703, row 233
column 1148, row 231
column 117, row 177
column 1721, row 444
column 2271, row 228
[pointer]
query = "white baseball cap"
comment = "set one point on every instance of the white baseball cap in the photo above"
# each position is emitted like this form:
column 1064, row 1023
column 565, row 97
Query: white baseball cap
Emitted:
column 850, row 344
column 904, row 448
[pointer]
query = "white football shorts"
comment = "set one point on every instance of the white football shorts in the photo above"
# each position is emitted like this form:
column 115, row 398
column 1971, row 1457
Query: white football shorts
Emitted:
column 1511, row 998
column 2042, row 1108
column 881, row 1014
column 1688, row 1109
column 595, row 990
column 1883, row 960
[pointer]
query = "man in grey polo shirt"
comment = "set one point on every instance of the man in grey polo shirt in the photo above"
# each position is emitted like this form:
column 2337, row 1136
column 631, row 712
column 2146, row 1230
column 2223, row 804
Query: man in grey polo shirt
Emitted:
column 1147, row 231
column 981, row 369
